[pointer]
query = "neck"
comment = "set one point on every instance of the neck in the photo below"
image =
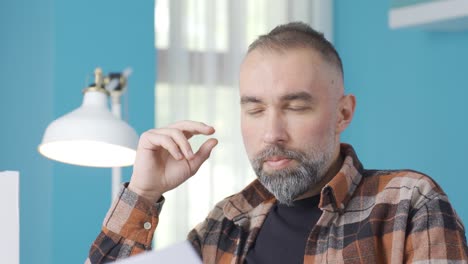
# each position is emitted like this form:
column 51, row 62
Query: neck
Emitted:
column 332, row 171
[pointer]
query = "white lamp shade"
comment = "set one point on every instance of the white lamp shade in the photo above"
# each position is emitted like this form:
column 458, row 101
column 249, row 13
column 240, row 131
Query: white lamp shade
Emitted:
column 90, row 136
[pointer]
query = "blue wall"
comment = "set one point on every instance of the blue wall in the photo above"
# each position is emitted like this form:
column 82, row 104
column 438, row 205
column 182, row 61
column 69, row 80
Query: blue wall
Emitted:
column 47, row 50
column 112, row 35
column 411, row 87
column 26, row 106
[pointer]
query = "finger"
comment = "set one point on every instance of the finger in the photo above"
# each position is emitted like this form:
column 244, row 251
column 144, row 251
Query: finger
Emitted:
column 158, row 140
column 202, row 154
column 179, row 138
column 190, row 128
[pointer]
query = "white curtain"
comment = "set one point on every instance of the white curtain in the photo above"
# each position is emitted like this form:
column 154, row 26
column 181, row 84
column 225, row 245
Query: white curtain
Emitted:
column 200, row 45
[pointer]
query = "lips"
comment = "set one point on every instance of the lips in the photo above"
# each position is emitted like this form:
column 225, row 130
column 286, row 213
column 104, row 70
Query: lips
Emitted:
column 277, row 162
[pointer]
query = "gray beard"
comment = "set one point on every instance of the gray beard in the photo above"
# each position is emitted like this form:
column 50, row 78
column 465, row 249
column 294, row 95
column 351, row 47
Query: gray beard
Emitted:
column 288, row 184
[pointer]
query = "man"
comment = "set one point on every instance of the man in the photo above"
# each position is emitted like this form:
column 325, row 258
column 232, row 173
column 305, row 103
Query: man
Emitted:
column 313, row 201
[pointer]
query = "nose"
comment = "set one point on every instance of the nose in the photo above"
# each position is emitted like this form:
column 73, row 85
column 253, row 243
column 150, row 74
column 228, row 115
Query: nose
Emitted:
column 275, row 129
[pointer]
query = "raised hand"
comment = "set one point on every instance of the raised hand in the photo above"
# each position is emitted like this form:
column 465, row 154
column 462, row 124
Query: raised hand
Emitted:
column 165, row 159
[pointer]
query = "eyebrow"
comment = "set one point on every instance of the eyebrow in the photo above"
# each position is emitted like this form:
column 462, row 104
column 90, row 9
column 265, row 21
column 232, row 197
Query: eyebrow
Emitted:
column 249, row 99
column 302, row 96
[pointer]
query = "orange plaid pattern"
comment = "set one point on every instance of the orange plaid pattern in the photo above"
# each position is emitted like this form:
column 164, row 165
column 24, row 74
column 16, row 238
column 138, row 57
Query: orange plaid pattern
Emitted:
column 368, row 216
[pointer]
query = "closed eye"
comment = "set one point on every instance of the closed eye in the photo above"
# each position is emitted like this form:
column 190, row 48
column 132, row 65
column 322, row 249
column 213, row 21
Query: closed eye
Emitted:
column 255, row 111
column 298, row 108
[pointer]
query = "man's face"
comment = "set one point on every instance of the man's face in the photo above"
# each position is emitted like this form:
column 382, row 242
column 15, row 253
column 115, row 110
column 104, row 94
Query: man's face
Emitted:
column 289, row 118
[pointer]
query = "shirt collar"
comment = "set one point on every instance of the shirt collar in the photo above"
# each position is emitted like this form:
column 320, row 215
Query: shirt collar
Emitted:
column 243, row 203
column 334, row 196
column 337, row 193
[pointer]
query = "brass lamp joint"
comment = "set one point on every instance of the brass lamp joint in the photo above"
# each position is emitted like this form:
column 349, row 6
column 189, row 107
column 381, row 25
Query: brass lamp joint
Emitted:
column 98, row 85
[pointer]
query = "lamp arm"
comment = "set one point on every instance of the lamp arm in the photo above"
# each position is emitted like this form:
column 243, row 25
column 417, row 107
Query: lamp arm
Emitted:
column 116, row 171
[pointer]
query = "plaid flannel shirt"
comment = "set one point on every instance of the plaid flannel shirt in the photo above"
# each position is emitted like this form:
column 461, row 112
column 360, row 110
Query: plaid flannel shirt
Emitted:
column 368, row 216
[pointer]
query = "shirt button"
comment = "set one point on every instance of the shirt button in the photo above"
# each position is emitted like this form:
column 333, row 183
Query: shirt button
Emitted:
column 147, row 225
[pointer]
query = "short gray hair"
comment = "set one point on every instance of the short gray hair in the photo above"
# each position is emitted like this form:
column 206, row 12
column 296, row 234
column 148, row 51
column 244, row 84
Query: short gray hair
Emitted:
column 298, row 35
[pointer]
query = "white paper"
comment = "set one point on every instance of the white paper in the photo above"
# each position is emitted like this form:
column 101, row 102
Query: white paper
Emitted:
column 178, row 253
column 9, row 227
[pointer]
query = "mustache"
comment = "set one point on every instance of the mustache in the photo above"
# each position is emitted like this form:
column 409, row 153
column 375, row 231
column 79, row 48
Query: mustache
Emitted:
column 275, row 150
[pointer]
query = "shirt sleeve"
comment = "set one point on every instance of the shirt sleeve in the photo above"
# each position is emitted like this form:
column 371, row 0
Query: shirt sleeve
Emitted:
column 435, row 232
column 128, row 228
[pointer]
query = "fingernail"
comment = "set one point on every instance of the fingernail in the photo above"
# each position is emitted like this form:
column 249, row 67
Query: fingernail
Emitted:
column 190, row 153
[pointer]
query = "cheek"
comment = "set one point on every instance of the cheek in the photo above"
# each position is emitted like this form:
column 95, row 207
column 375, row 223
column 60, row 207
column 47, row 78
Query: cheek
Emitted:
column 315, row 131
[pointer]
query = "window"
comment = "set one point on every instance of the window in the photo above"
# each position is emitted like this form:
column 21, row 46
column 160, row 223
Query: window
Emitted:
column 200, row 45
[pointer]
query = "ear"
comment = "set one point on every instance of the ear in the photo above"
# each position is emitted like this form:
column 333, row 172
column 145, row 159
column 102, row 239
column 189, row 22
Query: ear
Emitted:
column 346, row 108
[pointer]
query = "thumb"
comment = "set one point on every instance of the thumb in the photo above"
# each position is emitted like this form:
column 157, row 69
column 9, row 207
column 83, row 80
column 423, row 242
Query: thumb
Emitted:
column 202, row 154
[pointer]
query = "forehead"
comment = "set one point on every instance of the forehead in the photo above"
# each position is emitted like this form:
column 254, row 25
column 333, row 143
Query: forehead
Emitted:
column 271, row 72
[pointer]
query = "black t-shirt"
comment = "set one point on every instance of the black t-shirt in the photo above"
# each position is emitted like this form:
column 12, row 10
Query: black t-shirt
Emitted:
column 283, row 236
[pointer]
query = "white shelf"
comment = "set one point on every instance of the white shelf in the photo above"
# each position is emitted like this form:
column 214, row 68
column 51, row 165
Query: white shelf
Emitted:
column 447, row 15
